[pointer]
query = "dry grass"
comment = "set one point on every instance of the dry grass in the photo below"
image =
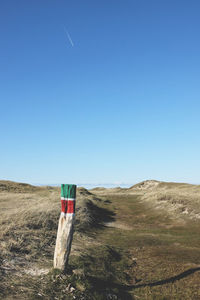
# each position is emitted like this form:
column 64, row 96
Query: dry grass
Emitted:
column 32, row 215
column 178, row 199
column 29, row 219
column 132, row 243
column 163, row 239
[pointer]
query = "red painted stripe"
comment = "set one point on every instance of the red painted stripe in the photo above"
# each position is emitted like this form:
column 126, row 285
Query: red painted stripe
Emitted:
column 64, row 206
column 68, row 206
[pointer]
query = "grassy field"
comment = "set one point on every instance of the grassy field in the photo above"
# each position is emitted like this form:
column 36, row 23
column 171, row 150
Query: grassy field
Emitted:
column 137, row 243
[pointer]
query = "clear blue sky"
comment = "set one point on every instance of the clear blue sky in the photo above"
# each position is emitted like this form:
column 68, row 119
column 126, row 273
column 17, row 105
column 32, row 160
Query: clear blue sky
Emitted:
column 119, row 102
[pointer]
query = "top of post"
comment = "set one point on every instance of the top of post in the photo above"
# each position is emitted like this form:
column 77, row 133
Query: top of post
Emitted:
column 68, row 190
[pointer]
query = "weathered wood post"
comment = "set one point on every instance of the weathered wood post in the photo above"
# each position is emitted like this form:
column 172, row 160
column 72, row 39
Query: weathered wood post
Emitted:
column 65, row 226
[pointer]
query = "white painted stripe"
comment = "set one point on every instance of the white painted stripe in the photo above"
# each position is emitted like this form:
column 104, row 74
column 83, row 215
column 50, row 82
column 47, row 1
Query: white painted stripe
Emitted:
column 64, row 215
column 71, row 199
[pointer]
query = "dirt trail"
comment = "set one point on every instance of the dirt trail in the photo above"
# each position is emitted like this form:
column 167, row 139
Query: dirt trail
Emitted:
column 164, row 249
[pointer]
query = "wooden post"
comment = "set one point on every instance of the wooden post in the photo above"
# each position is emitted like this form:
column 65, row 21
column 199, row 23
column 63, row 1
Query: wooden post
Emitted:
column 65, row 226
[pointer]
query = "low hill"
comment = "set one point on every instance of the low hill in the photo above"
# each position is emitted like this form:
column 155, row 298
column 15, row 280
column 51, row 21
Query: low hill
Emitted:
column 11, row 186
column 178, row 199
column 147, row 184
column 155, row 184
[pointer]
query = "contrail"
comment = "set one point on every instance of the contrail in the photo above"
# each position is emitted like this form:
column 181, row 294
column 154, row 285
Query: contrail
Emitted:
column 69, row 37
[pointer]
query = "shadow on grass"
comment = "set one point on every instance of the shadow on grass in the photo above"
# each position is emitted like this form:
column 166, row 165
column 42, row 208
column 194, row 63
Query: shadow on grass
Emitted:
column 102, row 272
column 91, row 216
column 101, row 215
column 109, row 289
column 167, row 280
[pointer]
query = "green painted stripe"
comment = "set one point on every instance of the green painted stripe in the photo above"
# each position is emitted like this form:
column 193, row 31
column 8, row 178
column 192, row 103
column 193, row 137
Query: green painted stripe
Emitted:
column 68, row 190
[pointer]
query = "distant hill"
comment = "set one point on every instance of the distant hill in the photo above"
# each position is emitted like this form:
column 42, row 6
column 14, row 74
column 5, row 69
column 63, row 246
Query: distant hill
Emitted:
column 145, row 184
column 178, row 199
column 11, row 186
column 151, row 184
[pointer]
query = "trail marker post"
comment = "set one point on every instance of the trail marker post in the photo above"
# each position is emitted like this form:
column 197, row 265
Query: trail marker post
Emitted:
column 65, row 226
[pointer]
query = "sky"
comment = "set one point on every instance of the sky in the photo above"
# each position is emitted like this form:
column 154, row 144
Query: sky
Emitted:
column 99, row 92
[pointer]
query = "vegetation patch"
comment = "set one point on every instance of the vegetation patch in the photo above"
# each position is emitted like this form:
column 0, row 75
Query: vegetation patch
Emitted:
column 156, row 258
